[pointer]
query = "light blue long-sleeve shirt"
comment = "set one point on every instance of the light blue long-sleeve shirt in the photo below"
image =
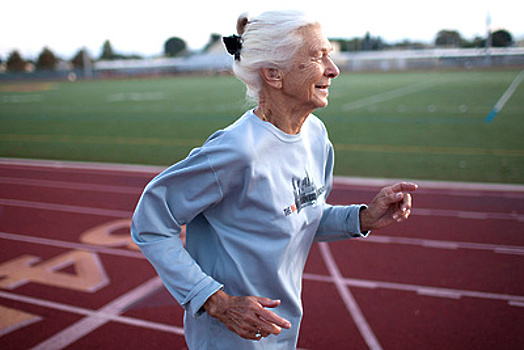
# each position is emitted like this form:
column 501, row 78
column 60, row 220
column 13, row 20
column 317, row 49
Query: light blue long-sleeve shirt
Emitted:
column 253, row 200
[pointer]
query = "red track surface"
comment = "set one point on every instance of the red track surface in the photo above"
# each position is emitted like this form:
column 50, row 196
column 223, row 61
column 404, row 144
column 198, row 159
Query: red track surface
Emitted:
column 449, row 278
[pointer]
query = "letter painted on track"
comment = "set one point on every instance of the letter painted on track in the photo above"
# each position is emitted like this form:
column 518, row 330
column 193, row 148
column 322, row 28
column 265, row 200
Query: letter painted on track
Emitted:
column 106, row 235
column 89, row 276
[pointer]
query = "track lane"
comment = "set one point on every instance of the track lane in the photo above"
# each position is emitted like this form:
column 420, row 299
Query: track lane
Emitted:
column 412, row 282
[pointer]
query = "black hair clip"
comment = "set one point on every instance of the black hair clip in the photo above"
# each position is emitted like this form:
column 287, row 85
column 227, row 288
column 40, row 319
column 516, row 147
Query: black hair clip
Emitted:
column 233, row 45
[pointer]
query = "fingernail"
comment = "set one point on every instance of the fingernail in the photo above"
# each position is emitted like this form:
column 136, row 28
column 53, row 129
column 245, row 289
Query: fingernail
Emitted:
column 395, row 217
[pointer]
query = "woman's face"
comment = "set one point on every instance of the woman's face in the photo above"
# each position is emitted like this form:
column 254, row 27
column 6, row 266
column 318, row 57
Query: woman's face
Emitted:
column 306, row 83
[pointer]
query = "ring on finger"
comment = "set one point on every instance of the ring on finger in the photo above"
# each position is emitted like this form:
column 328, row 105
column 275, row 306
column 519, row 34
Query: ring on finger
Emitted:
column 257, row 334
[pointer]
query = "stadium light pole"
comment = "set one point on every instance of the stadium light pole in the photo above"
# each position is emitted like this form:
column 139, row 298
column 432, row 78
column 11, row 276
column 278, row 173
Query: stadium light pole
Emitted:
column 88, row 68
column 488, row 38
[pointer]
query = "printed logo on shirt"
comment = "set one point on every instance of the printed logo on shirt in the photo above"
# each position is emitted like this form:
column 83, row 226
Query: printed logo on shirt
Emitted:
column 306, row 194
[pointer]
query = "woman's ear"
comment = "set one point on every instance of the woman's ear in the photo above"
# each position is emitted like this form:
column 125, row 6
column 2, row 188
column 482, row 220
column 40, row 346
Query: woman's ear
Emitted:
column 272, row 77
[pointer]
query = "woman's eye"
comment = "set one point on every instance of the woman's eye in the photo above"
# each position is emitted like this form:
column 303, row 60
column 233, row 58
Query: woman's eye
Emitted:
column 321, row 57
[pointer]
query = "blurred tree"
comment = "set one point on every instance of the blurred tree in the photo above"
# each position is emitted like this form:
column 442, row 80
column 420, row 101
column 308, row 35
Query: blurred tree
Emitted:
column 347, row 45
column 370, row 43
column 174, row 46
column 450, row 38
column 79, row 60
column 15, row 62
column 46, row 60
column 501, row 38
column 107, row 51
column 367, row 43
column 476, row 42
column 407, row 44
column 213, row 38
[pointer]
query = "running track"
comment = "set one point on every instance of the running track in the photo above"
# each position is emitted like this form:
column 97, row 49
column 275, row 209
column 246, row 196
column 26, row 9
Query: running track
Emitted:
column 452, row 277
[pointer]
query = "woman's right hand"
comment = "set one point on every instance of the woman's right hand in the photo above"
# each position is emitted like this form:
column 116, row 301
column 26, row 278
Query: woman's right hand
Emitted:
column 246, row 316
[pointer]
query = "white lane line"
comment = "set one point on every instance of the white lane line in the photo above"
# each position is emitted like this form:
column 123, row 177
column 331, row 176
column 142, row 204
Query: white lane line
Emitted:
column 449, row 186
column 426, row 243
column 480, row 189
column 509, row 250
column 92, row 322
column 81, row 311
column 66, row 208
column 451, row 245
column 461, row 214
column 512, row 300
column 71, row 245
column 350, row 302
column 128, row 169
column 59, row 164
column 81, row 186
column 86, row 312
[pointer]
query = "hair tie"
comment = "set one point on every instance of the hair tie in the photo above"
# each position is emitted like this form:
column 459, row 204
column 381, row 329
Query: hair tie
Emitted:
column 233, row 45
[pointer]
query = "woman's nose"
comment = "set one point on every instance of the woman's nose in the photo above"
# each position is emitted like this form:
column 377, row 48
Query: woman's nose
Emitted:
column 332, row 70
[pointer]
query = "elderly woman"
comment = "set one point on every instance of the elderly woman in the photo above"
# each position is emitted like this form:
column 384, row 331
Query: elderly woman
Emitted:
column 253, row 196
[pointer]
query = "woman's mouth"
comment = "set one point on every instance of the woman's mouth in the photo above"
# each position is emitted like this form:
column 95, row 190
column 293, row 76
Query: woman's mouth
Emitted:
column 322, row 86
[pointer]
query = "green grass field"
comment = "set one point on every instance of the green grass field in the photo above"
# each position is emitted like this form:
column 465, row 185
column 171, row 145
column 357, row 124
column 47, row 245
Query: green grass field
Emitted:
column 415, row 125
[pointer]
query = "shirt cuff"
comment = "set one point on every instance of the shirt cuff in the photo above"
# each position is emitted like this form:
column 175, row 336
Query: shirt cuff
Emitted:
column 353, row 222
column 195, row 306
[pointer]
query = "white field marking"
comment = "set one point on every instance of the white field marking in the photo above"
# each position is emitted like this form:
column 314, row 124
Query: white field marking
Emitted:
column 137, row 96
column 66, row 208
column 511, row 89
column 104, row 315
column 505, row 97
column 86, row 312
column 391, row 94
column 82, row 186
column 429, row 243
column 71, row 245
column 350, row 302
column 22, row 98
column 421, row 290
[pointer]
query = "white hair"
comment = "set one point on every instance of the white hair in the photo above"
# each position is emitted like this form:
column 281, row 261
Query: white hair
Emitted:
column 269, row 40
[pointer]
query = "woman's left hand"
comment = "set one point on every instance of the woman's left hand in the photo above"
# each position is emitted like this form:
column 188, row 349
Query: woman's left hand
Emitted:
column 392, row 204
column 246, row 316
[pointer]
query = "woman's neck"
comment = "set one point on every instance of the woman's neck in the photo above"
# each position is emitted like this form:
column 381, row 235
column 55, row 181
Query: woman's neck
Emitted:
column 281, row 115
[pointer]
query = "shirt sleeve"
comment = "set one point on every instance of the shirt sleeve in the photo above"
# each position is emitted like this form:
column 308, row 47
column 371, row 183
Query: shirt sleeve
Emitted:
column 169, row 201
column 338, row 222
